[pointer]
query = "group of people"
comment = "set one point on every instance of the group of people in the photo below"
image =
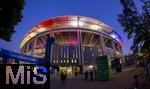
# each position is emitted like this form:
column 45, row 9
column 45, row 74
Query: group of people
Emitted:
column 89, row 75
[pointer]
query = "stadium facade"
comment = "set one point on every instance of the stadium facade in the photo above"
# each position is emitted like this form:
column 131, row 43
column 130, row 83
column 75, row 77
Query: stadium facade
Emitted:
column 78, row 41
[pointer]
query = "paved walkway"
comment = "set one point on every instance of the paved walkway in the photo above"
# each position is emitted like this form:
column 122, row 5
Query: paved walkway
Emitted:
column 121, row 80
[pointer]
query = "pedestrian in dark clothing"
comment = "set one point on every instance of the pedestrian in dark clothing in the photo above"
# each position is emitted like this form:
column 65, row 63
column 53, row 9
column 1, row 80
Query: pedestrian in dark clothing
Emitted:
column 62, row 78
column 136, row 82
column 148, row 71
column 86, row 75
column 76, row 73
column 91, row 75
column 95, row 74
column 118, row 68
column 65, row 79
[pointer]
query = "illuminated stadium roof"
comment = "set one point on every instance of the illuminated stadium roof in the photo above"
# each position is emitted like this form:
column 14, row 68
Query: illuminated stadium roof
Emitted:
column 68, row 22
column 116, row 36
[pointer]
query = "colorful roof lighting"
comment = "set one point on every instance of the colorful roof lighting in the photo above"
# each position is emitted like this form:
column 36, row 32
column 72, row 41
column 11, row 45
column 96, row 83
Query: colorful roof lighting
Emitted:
column 116, row 36
column 68, row 22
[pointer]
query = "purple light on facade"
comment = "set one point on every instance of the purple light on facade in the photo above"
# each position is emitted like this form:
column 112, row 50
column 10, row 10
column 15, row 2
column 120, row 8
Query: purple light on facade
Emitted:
column 73, row 41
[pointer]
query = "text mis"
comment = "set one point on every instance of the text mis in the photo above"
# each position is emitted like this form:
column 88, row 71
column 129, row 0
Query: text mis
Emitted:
column 26, row 72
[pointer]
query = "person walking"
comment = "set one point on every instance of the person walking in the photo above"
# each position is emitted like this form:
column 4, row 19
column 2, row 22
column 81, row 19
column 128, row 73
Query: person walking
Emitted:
column 91, row 75
column 86, row 75
column 148, row 71
column 65, row 79
column 62, row 77
column 95, row 74
column 76, row 73
column 136, row 83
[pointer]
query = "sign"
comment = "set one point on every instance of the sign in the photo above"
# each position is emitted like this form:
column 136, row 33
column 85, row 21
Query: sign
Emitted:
column 28, row 76
column 18, row 56
column 6, row 54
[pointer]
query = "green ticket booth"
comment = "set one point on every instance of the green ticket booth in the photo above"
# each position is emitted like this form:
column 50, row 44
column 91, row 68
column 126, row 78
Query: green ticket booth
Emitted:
column 104, row 69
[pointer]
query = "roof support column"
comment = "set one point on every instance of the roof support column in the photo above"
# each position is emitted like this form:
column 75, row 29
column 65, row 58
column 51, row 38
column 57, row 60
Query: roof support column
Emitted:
column 34, row 43
column 102, row 45
column 113, row 46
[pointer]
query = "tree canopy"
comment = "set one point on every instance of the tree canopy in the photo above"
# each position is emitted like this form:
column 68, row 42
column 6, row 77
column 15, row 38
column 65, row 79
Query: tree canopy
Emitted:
column 10, row 16
column 136, row 24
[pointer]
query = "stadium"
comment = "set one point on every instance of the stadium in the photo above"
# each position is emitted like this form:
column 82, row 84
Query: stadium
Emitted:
column 78, row 41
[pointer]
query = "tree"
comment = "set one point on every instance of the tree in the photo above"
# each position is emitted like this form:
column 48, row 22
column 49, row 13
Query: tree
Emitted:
column 10, row 15
column 136, row 25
